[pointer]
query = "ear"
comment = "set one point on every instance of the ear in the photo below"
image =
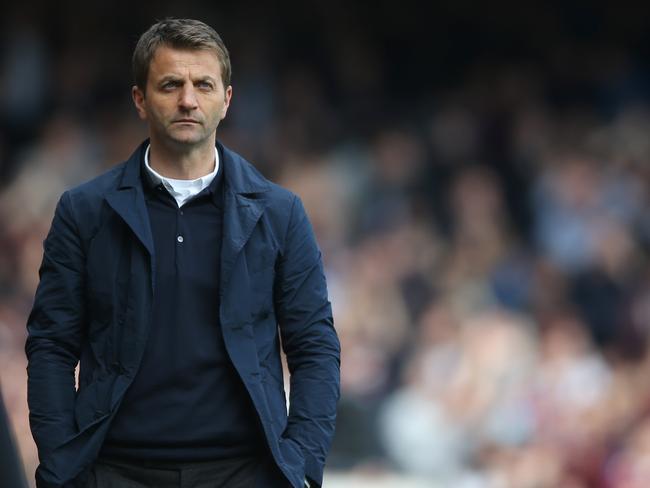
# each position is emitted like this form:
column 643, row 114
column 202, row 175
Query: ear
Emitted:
column 226, row 99
column 138, row 101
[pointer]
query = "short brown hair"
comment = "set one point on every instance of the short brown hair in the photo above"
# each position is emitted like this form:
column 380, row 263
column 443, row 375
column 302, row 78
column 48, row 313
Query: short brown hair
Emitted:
column 180, row 34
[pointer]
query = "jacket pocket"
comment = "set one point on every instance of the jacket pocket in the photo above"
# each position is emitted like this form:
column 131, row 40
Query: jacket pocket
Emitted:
column 276, row 400
column 93, row 402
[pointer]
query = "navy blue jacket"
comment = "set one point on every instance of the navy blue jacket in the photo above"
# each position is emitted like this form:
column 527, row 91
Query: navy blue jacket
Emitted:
column 93, row 305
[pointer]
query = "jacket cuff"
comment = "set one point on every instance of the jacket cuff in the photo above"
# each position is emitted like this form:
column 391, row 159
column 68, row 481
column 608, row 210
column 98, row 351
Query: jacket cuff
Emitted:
column 313, row 471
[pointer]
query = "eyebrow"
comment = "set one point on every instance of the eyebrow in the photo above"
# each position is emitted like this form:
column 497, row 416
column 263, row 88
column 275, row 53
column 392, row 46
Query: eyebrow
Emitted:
column 180, row 78
column 205, row 78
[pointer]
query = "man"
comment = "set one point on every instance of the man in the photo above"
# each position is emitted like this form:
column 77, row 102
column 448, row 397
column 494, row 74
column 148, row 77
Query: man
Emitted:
column 173, row 279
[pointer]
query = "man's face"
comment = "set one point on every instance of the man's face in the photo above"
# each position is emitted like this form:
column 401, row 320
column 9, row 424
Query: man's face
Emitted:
column 185, row 98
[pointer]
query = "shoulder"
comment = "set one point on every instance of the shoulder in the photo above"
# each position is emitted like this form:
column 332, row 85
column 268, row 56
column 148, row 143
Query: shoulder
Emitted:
column 92, row 193
column 85, row 204
column 281, row 198
column 99, row 185
column 243, row 177
column 281, row 206
column 122, row 175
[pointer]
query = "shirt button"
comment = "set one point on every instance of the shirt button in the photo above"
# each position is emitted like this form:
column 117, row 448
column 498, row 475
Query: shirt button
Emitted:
column 179, row 238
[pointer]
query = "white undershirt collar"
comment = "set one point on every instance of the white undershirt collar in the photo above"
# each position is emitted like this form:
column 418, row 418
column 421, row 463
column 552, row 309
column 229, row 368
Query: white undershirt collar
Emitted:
column 182, row 190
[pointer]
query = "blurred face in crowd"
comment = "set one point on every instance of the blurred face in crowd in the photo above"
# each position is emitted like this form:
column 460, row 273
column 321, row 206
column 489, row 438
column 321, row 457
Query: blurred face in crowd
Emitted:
column 184, row 99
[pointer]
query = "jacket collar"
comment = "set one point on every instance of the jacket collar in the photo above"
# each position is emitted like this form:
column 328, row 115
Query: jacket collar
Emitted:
column 240, row 176
column 132, row 176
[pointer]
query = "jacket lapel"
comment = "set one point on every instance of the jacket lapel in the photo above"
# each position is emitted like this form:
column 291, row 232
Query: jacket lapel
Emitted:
column 128, row 201
column 129, row 205
column 244, row 204
column 240, row 216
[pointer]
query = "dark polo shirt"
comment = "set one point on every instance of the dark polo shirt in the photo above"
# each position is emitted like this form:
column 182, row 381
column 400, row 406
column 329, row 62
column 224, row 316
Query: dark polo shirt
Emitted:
column 187, row 402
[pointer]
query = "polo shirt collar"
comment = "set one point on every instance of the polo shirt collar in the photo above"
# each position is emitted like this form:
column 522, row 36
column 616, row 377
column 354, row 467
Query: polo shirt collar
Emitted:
column 210, row 181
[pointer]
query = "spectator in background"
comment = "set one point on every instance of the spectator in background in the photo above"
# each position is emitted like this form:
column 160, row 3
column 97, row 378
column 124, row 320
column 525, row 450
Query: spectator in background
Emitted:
column 11, row 468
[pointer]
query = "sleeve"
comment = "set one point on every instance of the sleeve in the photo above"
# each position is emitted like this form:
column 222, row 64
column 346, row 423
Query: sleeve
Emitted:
column 54, row 333
column 310, row 343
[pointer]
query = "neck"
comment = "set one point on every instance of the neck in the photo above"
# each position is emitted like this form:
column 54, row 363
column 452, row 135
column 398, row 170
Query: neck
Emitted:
column 182, row 163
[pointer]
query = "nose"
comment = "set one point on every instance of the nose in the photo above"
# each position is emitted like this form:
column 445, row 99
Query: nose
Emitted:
column 187, row 100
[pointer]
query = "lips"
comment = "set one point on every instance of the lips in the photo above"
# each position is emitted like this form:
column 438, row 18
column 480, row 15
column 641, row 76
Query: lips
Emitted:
column 186, row 121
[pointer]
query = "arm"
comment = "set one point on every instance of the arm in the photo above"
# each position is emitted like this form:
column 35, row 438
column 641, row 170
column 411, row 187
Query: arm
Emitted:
column 54, row 329
column 310, row 343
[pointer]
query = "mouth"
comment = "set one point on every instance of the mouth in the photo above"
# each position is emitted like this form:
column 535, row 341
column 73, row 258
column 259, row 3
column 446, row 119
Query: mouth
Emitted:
column 186, row 121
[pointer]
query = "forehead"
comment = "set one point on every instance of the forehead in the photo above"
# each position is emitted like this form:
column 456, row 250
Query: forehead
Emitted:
column 170, row 61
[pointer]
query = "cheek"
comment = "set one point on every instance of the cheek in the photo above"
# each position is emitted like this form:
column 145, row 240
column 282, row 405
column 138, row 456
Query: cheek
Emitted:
column 157, row 115
column 223, row 107
column 215, row 113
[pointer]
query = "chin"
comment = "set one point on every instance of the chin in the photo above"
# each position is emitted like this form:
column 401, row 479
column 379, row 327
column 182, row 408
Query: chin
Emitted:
column 187, row 142
column 186, row 138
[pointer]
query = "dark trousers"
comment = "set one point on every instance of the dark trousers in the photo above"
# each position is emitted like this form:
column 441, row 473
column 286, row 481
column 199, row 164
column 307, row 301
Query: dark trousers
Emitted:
column 230, row 473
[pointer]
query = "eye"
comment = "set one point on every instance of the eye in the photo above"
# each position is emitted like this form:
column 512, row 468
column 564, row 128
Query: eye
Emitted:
column 205, row 85
column 170, row 85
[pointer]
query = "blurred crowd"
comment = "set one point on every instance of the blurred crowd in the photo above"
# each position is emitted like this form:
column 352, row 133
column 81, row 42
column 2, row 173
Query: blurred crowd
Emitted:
column 486, row 238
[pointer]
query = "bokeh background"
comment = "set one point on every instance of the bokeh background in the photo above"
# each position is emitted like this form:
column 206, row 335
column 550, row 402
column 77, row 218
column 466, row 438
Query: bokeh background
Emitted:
column 478, row 176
